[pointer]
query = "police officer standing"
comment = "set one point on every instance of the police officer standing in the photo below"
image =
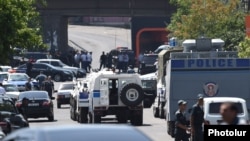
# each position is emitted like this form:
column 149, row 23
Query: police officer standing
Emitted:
column 181, row 122
column 48, row 86
column 40, row 78
column 197, row 119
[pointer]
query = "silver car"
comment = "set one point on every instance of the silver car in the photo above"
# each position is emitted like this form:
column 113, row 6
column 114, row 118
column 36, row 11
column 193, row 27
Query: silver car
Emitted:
column 87, row 132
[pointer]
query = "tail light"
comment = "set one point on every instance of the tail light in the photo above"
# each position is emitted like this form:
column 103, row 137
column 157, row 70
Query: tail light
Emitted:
column 18, row 104
column 46, row 103
column 3, row 124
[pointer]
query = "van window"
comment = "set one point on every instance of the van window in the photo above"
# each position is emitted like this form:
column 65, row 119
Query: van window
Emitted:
column 214, row 108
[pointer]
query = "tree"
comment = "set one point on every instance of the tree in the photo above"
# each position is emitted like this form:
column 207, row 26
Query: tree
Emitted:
column 210, row 18
column 19, row 26
column 244, row 48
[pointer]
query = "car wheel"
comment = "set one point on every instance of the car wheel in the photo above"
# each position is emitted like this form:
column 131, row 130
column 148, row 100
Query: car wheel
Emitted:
column 132, row 94
column 73, row 111
column 57, row 78
column 51, row 118
column 58, row 105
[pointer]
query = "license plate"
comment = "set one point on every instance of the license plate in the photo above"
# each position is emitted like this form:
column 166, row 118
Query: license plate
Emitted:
column 33, row 104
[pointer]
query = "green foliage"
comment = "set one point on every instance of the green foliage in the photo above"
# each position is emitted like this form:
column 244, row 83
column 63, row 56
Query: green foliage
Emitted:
column 209, row 18
column 19, row 26
column 244, row 48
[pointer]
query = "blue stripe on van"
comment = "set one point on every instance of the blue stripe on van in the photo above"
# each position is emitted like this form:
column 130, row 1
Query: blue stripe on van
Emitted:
column 96, row 93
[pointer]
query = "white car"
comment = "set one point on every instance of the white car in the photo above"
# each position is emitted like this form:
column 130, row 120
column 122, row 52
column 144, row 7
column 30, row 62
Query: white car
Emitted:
column 11, row 91
column 5, row 68
column 19, row 79
column 58, row 63
column 212, row 108
column 63, row 93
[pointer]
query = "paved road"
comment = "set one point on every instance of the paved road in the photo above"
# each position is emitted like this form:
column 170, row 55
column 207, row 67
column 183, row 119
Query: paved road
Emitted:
column 98, row 39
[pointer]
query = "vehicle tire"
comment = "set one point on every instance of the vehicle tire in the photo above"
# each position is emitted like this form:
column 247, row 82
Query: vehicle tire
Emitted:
column 132, row 94
column 58, row 105
column 57, row 78
column 73, row 111
column 137, row 118
column 83, row 115
column 162, row 111
column 51, row 116
column 156, row 112
column 122, row 116
column 97, row 119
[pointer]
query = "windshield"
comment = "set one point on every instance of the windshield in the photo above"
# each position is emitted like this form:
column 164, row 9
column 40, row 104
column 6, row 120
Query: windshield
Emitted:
column 34, row 95
column 10, row 88
column 214, row 108
column 66, row 87
column 150, row 58
column 148, row 84
column 18, row 77
column 7, row 106
column 3, row 76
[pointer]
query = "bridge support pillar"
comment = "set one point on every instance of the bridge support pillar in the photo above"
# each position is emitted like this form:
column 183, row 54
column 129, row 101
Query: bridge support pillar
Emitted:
column 55, row 32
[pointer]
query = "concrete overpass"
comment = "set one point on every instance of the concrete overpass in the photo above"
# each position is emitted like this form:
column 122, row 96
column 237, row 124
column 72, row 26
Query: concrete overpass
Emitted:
column 56, row 12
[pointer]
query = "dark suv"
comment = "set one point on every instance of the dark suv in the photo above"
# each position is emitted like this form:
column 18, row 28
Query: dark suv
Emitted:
column 10, row 118
column 147, row 64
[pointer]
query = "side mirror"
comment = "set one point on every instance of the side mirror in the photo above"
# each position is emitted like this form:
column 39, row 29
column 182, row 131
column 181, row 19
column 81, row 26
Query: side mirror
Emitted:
column 55, row 91
column 52, row 98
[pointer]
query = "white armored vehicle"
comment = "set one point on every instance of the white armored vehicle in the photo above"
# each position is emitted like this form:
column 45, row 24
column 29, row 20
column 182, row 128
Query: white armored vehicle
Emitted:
column 107, row 93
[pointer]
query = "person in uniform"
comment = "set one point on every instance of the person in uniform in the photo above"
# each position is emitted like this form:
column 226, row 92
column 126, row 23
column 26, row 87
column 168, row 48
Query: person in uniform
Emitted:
column 229, row 112
column 48, row 86
column 28, row 86
column 23, row 108
column 197, row 119
column 181, row 123
column 40, row 78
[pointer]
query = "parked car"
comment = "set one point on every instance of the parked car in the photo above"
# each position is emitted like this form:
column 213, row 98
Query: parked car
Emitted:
column 3, row 76
column 39, row 105
column 12, row 91
column 4, row 68
column 147, row 64
column 79, row 133
column 63, row 93
column 19, row 79
column 10, row 118
column 58, row 63
column 57, row 74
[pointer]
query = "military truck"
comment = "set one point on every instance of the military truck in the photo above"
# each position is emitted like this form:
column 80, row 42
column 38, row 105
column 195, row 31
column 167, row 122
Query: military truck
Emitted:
column 203, row 67
column 107, row 93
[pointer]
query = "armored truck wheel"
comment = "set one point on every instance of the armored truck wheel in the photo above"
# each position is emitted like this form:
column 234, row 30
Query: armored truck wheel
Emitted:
column 137, row 117
column 83, row 115
column 132, row 94
column 122, row 116
column 97, row 118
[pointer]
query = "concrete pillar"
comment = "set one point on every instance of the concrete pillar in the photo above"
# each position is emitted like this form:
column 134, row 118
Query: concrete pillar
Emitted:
column 55, row 32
